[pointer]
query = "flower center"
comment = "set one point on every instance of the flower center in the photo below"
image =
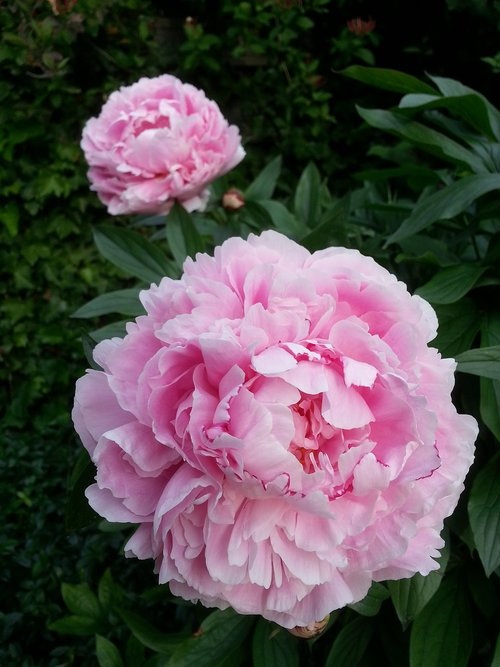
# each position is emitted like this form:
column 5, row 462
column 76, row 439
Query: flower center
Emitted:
column 312, row 433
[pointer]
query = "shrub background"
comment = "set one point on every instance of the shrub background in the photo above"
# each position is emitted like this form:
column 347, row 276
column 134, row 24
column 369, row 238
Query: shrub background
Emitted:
column 271, row 65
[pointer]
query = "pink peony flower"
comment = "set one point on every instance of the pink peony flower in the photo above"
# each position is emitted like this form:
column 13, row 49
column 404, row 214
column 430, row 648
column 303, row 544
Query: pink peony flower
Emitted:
column 155, row 142
column 278, row 428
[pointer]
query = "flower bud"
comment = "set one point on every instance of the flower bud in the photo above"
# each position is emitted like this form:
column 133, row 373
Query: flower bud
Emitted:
column 233, row 199
column 312, row 630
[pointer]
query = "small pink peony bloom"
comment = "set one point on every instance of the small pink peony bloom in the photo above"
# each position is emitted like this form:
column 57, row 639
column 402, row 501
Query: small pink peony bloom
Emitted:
column 155, row 142
column 278, row 428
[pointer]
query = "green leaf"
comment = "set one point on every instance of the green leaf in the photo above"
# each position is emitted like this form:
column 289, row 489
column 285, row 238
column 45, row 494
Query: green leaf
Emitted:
column 113, row 330
column 124, row 301
column 496, row 656
column 81, row 601
column 134, row 653
column 458, row 326
column 490, row 389
column 423, row 176
column 256, row 216
column 446, row 203
column 451, row 284
column 263, row 186
column 283, row 220
column 442, row 633
column 74, row 625
column 149, row 635
column 330, row 228
column 182, row 236
column 350, row 644
column 107, row 591
column 483, row 361
column 78, row 512
column 371, row 603
column 409, row 596
column 219, row 634
column 307, row 196
column 107, row 653
column 273, row 646
column 387, row 79
column 422, row 136
column 484, row 514
column 132, row 253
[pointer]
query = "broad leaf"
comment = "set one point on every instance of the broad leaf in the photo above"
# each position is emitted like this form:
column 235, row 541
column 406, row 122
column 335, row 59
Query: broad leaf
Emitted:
column 182, row 236
column 78, row 512
column 458, row 326
column 81, row 601
column 107, row 591
column 283, row 220
column 350, row 644
column 483, row 361
column 132, row 253
column 263, row 186
column 484, row 514
column 451, row 284
column 387, row 79
column 113, row 330
column 307, row 196
column 370, row 605
column 446, row 203
column 74, row 625
column 330, row 228
column 423, row 137
column 273, row 646
column 124, row 302
column 150, row 636
column 441, row 635
column 490, row 389
column 107, row 654
column 256, row 216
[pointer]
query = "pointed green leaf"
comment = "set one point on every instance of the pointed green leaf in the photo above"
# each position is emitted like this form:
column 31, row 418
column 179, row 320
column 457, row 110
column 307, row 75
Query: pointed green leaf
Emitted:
column 350, row 644
column 113, row 330
column 446, row 203
column 256, row 216
column 124, row 301
column 458, row 326
column 107, row 654
column 409, row 596
column 423, row 137
column 108, row 592
column 81, row 601
column 263, row 186
column 370, row 605
column 484, row 514
column 132, row 253
column 182, row 236
column 387, row 79
column 441, row 635
column 490, row 389
column 330, row 228
column 149, row 635
column 496, row 656
column 273, row 646
column 283, row 220
column 451, row 284
column 74, row 625
column 134, row 653
column 219, row 634
column 483, row 361
column 78, row 512
column 307, row 196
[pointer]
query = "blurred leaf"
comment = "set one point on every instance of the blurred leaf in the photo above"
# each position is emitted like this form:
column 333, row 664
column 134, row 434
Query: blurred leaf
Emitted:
column 490, row 389
column 256, row 216
column 134, row 653
column 423, row 176
column 263, row 186
column 458, row 326
column 182, row 236
column 330, row 228
column 132, row 253
column 124, row 301
column 441, row 635
column 273, row 646
column 496, row 656
column 107, row 654
column 150, row 636
column 483, row 361
column 220, row 633
column 409, row 596
column 81, row 601
column 284, row 221
column 107, row 591
column 113, row 330
column 387, row 79
column 350, row 644
column 371, row 603
column 78, row 512
column 484, row 514
column 74, row 625
column 451, row 284
column 422, row 136
column 307, row 196
column 446, row 203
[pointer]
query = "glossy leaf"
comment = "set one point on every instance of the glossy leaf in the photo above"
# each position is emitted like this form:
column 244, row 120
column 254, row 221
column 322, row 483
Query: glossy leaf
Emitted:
column 484, row 514
column 307, row 196
column 263, row 186
column 125, row 302
column 273, row 646
column 80, row 600
column 458, row 326
column 220, row 633
column 370, row 605
column 483, row 361
column 451, row 284
column 387, row 79
column 350, row 644
column 132, row 253
column 446, row 203
column 182, row 236
column 107, row 654
column 149, row 635
column 422, row 136
column 442, row 633
column 409, row 596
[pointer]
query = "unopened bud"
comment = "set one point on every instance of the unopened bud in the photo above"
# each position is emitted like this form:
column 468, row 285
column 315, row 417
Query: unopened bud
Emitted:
column 233, row 199
column 311, row 630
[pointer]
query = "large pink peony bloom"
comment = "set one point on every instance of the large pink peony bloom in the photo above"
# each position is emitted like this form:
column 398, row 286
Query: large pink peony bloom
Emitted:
column 155, row 142
column 279, row 429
